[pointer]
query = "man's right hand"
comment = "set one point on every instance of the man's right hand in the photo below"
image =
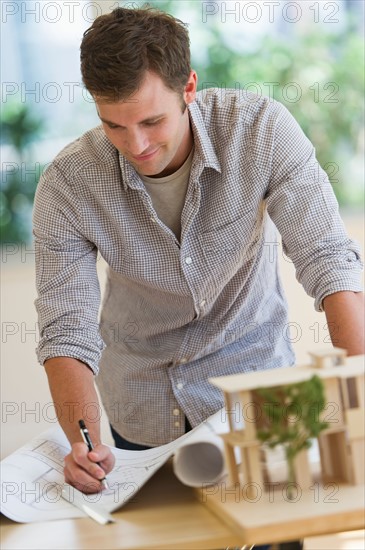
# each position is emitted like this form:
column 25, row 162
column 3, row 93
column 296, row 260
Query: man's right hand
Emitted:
column 81, row 470
column 72, row 383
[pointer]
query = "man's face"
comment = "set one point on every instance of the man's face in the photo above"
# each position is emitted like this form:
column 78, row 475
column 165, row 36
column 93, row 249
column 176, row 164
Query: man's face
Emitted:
column 150, row 128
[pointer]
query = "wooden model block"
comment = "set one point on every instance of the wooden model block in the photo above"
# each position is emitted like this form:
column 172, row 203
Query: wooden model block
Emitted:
column 344, row 388
column 244, row 470
column 234, row 411
column 328, row 358
column 246, row 401
column 229, row 405
column 231, row 464
column 352, row 391
column 254, row 466
column 358, row 456
column 303, row 475
column 335, row 458
column 333, row 412
column 360, row 390
column 355, row 423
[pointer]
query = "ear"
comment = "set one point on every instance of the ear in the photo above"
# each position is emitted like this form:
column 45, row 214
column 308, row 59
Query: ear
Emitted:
column 190, row 87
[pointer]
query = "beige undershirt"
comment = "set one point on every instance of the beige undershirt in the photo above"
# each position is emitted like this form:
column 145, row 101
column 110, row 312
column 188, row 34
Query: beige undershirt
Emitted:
column 168, row 194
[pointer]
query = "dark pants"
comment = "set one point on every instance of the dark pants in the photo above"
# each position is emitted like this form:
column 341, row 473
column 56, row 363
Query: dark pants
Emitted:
column 122, row 443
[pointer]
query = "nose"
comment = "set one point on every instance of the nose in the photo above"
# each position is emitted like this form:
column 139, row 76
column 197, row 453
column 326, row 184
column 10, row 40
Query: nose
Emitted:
column 137, row 142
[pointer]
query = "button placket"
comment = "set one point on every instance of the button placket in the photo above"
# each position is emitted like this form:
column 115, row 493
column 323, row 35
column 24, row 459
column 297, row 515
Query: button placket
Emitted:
column 191, row 207
column 176, row 414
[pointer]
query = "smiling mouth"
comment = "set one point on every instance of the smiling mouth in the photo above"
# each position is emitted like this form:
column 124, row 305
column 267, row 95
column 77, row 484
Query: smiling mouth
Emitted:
column 145, row 157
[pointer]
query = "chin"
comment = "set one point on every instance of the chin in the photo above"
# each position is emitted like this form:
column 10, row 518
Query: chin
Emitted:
column 153, row 171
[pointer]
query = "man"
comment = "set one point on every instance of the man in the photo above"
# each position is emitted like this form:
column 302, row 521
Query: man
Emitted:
column 177, row 191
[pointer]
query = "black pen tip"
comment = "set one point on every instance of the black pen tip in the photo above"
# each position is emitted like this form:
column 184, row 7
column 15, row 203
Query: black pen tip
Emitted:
column 82, row 424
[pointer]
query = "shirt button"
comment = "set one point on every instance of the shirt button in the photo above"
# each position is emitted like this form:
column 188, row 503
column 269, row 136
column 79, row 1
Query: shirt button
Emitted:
column 202, row 303
column 188, row 260
column 176, row 424
column 183, row 360
column 180, row 386
column 153, row 219
column 176, row 412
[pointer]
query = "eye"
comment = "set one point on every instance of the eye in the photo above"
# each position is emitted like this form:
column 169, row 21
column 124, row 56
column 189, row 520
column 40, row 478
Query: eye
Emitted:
column 112, row 126
column 153, row 122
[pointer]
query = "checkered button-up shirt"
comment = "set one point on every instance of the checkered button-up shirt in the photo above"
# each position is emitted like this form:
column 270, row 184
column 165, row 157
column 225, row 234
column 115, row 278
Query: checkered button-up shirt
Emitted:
column 178, row 312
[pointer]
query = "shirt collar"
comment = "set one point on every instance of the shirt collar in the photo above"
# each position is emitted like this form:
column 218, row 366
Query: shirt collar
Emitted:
column 130, row 177
column 203, row 145
column 204, row 156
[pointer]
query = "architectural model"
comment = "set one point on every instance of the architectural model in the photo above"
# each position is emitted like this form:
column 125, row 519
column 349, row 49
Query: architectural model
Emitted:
column 341, row 444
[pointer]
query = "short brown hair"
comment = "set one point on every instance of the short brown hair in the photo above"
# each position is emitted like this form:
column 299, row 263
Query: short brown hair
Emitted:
column 118, row 49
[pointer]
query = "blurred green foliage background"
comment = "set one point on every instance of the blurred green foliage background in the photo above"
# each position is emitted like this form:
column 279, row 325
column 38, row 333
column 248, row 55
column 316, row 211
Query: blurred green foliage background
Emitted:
column 317, row 73
column 19, row 129
column 320, row 79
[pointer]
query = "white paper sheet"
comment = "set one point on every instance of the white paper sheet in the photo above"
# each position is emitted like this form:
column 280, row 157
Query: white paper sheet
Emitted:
column 32, row 477
column 200, row 460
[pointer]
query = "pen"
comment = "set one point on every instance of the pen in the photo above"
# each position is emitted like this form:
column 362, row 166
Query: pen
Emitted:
column 86, row 437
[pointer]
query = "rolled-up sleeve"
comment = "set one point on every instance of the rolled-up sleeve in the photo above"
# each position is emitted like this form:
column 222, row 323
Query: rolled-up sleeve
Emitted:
column 303, row 206
column 67, row 283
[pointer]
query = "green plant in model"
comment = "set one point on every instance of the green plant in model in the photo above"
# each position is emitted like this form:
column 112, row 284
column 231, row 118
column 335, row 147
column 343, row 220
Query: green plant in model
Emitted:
column 291, row 418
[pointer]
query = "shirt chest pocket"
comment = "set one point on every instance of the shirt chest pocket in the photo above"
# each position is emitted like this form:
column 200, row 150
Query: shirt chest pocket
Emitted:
column 233, row 240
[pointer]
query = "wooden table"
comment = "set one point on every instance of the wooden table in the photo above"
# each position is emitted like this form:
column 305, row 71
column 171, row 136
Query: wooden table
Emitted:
column 271, row 517
column 164, row 515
